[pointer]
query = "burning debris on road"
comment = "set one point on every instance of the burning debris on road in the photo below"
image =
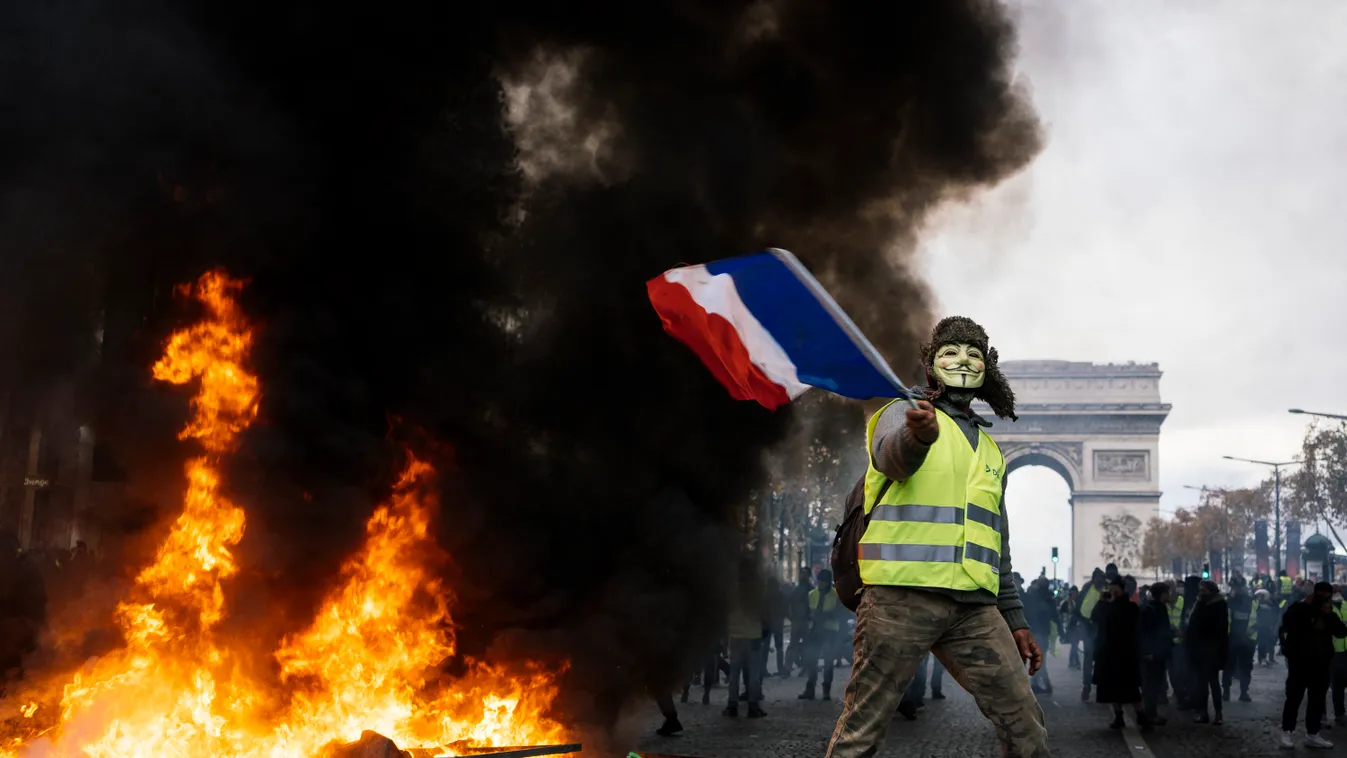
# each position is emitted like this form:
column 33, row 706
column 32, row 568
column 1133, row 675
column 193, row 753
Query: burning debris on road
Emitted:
column 369, row 660
column 445, row 212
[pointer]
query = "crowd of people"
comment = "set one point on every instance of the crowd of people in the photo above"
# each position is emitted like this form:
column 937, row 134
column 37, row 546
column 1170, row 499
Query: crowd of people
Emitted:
column 1141, row 644
column 804, row 624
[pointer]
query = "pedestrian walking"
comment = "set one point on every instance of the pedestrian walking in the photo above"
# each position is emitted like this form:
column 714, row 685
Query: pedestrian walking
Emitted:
column 797, row 611
column 1307, row 632
column 1243, row 622
column 1156, row 640
column 1069, row 614
column 1338, row 671
column 1094, row 592
column 1206, row 646
column 1041, row 613
column 778, row 597
column 748, row 619
column 1117, row 652
column 824, row 619
column 1183, row 671
column 1268, row 620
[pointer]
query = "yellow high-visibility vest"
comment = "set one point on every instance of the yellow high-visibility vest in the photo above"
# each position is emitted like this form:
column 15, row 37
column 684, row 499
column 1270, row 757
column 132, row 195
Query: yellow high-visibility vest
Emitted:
column 1092, row 595
column 1340, row 643
column 941, row 527
column 1286, row 585
column 1176, row 617
column 829, row 610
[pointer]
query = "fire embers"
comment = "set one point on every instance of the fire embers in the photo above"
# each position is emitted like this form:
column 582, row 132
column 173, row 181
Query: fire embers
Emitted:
column 370, row 660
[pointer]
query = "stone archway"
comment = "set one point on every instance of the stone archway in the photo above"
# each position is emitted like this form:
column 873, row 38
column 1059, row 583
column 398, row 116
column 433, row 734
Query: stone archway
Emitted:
column 1098, row 427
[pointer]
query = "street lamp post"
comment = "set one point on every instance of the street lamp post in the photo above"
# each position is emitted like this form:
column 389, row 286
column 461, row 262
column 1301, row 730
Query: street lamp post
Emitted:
column 1277, row 502
column 1321, row 415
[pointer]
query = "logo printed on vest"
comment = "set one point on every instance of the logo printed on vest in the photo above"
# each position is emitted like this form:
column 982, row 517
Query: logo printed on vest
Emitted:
column 996, row 474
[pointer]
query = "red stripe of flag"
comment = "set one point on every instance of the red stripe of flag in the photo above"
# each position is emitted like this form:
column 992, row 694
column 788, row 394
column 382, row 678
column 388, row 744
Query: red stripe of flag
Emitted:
column 714, row 340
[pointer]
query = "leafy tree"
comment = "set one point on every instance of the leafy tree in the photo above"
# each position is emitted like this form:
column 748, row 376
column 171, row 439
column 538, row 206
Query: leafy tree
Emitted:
column 1319, row 484
column 1157, row 544
column 810, row 474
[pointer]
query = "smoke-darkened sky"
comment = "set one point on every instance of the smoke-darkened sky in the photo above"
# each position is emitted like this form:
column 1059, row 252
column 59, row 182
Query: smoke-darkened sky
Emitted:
column 362, row 167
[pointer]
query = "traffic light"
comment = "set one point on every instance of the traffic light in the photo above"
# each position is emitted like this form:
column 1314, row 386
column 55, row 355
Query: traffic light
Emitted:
column 1206, row 571
column 1054, row 555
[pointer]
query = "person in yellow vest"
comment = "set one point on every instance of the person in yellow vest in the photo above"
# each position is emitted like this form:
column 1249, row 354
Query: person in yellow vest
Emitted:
column 1094, row 592
column 935, row 556
column 748, row 619
column 825, row 621
column 1339, row 669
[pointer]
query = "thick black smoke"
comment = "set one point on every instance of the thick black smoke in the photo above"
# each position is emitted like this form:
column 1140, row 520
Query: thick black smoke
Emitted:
column 407, row 260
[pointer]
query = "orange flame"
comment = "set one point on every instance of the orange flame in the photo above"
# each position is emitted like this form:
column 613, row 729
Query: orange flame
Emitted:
column 368, row 661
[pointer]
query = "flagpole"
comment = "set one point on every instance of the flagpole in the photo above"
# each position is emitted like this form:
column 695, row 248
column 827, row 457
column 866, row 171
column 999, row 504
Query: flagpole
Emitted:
column 844, row 321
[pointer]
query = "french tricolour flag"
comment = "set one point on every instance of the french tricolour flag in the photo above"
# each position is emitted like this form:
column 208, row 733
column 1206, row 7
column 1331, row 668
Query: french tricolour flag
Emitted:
column 769, row 331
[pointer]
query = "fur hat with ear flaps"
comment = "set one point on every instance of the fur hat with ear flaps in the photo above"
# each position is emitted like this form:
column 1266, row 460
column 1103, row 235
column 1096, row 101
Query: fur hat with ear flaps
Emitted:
column 995, row 390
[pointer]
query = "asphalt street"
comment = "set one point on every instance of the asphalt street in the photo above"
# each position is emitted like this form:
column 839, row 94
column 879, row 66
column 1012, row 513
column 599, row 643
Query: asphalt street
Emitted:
column 954, row 726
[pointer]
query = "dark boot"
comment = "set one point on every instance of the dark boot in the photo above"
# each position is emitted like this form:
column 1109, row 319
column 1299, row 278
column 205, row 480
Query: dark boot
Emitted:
column 671, row 727
column 1244, row 696
column 937, row 695
column 808, row 693
column 828, row 691
column 908, row 709
column 755, row 712
column 732, row 711
column 1217, row 720
column 1117, row 722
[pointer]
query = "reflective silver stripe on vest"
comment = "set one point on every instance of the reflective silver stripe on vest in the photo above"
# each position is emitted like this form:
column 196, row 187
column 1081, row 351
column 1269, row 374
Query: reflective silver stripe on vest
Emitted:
column 913, row 553
column 926, row 514
column 985, row 555
column 983, row 516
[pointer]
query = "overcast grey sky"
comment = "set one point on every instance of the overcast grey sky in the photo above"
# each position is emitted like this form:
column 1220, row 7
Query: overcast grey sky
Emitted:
column 1188, row 209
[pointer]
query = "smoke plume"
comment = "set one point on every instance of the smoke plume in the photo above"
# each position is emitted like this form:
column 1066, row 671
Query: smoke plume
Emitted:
column 447, row 212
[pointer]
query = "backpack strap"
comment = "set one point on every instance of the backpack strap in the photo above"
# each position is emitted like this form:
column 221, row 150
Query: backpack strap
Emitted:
column 882, row 491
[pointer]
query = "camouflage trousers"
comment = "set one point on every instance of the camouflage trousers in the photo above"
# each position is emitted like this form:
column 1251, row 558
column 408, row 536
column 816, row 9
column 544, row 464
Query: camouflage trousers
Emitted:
column 895, row 627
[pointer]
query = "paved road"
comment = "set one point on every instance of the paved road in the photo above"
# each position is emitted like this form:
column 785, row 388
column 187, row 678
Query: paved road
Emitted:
column 954, row 727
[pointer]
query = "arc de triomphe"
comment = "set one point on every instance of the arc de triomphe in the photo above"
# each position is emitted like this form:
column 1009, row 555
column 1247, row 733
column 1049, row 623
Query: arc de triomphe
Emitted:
column 1098, row 426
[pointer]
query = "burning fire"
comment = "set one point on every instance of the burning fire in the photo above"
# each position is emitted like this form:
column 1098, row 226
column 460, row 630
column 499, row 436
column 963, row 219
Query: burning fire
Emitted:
column 369, row 660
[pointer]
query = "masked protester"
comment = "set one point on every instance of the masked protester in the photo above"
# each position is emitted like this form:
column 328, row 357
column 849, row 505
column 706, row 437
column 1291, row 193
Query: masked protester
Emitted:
column 935, row 556
column 1206, row 645
column 1307, row 633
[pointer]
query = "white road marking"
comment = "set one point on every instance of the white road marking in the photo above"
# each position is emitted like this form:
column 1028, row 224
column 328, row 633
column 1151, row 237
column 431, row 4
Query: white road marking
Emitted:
column 1136, row 744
